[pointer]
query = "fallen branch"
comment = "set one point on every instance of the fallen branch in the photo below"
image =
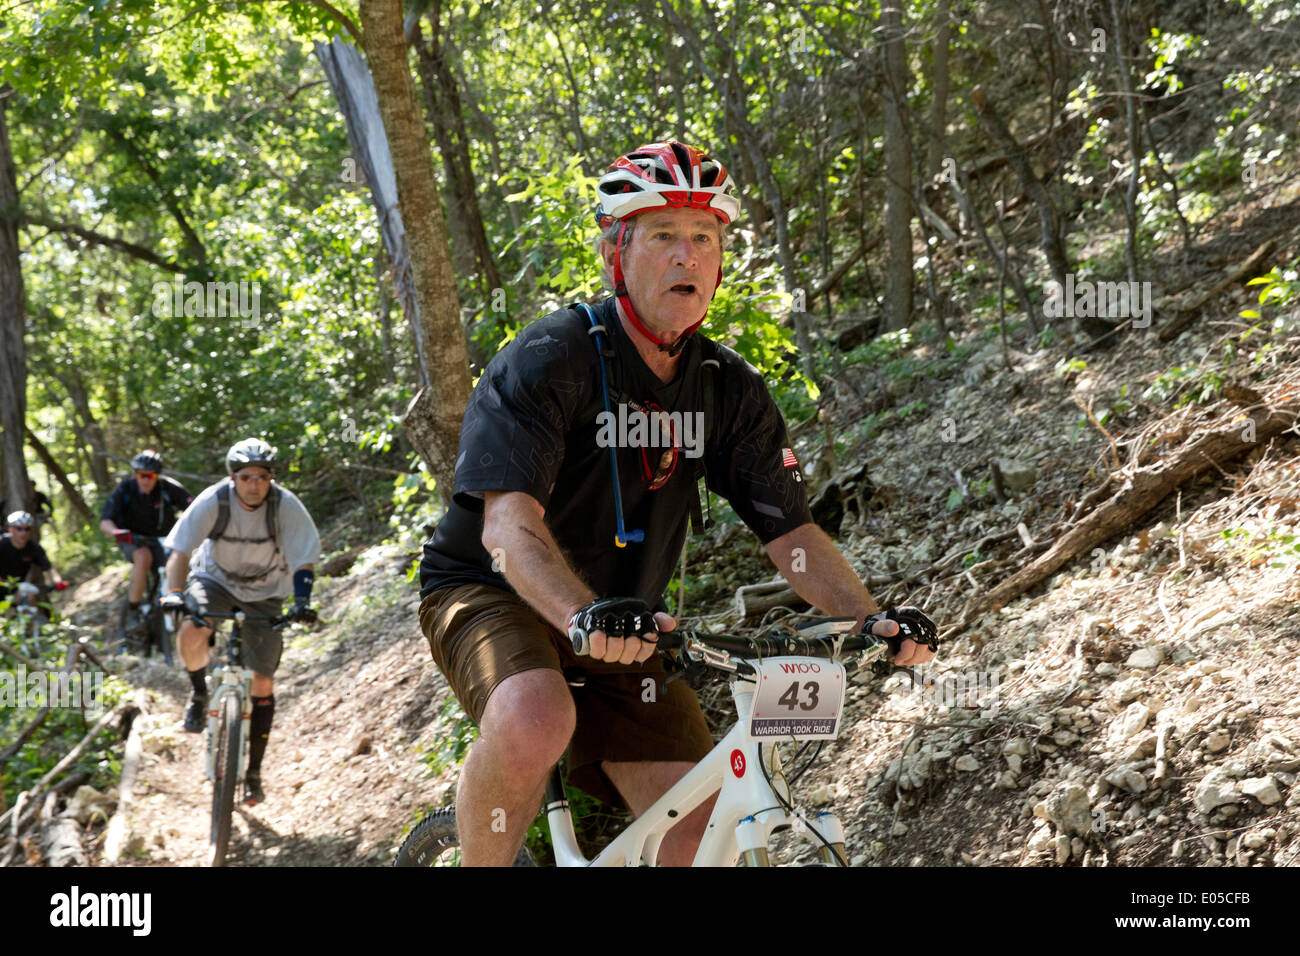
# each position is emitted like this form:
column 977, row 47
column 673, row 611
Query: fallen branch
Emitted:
column 74, row 650
column 34, row 794
column 118, row 832
column 1141, row 492
column 1186, row 314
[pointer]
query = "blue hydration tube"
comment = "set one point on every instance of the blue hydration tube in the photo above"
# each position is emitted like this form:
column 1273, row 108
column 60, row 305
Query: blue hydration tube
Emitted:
column 621, row 537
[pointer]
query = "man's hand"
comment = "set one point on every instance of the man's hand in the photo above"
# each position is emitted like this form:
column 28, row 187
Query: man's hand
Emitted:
column 919, row 634
column 628, row 650
column 172, row 602
column 618, row 630
column 302, row 614
column 123, row 537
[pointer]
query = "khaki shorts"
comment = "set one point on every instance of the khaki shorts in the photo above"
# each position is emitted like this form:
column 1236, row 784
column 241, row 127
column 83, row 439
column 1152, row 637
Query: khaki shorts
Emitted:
column 480, row 635
column 262, row 645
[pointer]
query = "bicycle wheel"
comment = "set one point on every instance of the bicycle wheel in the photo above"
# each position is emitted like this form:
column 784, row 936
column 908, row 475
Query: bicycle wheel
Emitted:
column 435, row 842
column 159, row 636
column 229, row 751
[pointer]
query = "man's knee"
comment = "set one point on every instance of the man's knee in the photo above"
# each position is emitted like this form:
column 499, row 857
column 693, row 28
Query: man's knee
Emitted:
column 193, row 635
column 531, row 716
column 142, row 558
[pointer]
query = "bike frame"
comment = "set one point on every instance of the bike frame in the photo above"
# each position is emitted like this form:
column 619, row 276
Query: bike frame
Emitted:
column 230, row 678
column 744, row 817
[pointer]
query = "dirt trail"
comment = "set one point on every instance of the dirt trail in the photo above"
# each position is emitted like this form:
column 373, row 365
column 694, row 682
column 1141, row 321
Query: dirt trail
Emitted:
column 357, row 702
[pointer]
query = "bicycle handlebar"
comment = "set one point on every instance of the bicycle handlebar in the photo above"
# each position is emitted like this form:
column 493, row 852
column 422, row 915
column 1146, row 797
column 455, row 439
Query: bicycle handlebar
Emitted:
column 831, row 638
column 277, row 621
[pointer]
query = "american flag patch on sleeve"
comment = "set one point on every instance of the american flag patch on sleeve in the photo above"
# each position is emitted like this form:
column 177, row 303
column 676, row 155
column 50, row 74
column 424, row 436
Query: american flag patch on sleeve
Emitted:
column 788, row 459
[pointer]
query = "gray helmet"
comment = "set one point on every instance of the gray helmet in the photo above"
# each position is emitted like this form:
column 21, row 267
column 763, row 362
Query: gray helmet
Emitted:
column 147, row 460
column 20, row 519
column 250, row 451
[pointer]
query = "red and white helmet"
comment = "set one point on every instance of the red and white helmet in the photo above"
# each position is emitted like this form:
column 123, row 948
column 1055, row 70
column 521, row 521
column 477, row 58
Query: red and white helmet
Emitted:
column 668, row 175
column 671, row 175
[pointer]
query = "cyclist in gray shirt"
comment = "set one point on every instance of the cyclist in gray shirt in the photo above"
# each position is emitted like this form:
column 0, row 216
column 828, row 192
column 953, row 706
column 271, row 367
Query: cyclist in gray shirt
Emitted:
column 245, row 542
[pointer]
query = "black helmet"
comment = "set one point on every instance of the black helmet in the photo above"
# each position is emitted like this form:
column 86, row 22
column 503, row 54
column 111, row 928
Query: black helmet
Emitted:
column 250, row 451
column 147, row 460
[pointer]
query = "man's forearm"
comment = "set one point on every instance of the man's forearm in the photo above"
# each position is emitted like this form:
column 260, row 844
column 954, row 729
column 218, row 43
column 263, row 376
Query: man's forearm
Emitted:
column 818, row 572
column 178, row 566
column 524, row 551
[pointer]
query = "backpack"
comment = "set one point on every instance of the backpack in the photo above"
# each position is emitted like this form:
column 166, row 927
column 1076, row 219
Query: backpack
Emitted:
column 272, row 516
column 712, row 397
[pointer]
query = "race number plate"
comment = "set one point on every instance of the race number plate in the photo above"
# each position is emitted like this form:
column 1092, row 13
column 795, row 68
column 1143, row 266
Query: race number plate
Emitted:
column 797, row 698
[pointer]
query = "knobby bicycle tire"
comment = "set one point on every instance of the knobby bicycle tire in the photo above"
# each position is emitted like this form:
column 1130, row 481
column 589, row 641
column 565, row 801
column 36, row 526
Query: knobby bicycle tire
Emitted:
column 435, row 835
column 158, row 636
column 229, row 751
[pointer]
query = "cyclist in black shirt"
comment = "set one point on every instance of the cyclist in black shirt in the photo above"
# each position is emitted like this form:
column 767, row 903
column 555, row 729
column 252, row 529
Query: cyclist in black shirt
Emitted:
column 19, row 554
column 576, row 475
column 146, row 505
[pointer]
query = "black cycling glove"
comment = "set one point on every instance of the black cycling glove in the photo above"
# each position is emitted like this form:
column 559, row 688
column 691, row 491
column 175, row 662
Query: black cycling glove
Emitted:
column 617, row 617
column 913, row 624
column 302, row 614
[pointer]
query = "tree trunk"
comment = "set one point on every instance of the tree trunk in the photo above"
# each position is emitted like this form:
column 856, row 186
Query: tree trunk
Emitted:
column 13, row 321
column 61, row 476
column 898, row 172
column 384, row 314
column 443, row 337
column 1134, row 140
column 939, row 108
column 90, row 431
column 442, row 102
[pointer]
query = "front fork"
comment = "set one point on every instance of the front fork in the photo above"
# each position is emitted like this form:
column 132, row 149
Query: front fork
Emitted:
column 752, row 832
column 226, row 681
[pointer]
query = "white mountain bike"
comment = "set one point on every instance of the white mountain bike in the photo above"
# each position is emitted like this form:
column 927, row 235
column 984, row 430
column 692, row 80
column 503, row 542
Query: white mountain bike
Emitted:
column 787, row 687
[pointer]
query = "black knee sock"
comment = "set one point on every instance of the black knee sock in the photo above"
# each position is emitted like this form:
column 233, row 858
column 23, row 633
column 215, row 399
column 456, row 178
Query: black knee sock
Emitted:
column 259, row 729
column 133, row 606
column 199, row 681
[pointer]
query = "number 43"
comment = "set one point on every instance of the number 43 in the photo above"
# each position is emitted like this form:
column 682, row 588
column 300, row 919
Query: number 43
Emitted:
column 791, row 697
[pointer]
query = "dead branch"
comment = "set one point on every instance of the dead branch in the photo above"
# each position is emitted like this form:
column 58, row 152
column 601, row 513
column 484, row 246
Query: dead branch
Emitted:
column 36, row 791
column 1141, row 492
column 1186, row 313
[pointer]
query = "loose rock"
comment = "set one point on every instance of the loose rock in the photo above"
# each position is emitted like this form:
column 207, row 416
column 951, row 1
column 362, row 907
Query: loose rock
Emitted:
column 1214, row 791
column 1146, row 658
column 1262, row 789
column 1067, row 807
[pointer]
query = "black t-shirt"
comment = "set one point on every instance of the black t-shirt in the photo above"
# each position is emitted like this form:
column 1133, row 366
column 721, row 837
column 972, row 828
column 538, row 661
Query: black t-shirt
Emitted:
column 151, row 514
column 15, row 563
column 532, row 425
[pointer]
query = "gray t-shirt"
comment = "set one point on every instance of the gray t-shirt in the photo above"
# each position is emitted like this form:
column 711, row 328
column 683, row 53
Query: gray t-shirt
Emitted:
column 251, row 569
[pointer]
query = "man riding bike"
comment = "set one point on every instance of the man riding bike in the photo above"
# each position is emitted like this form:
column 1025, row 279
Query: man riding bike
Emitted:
column 19, row 554
column 245, row 542
column 144, row 505
column 562, row 523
